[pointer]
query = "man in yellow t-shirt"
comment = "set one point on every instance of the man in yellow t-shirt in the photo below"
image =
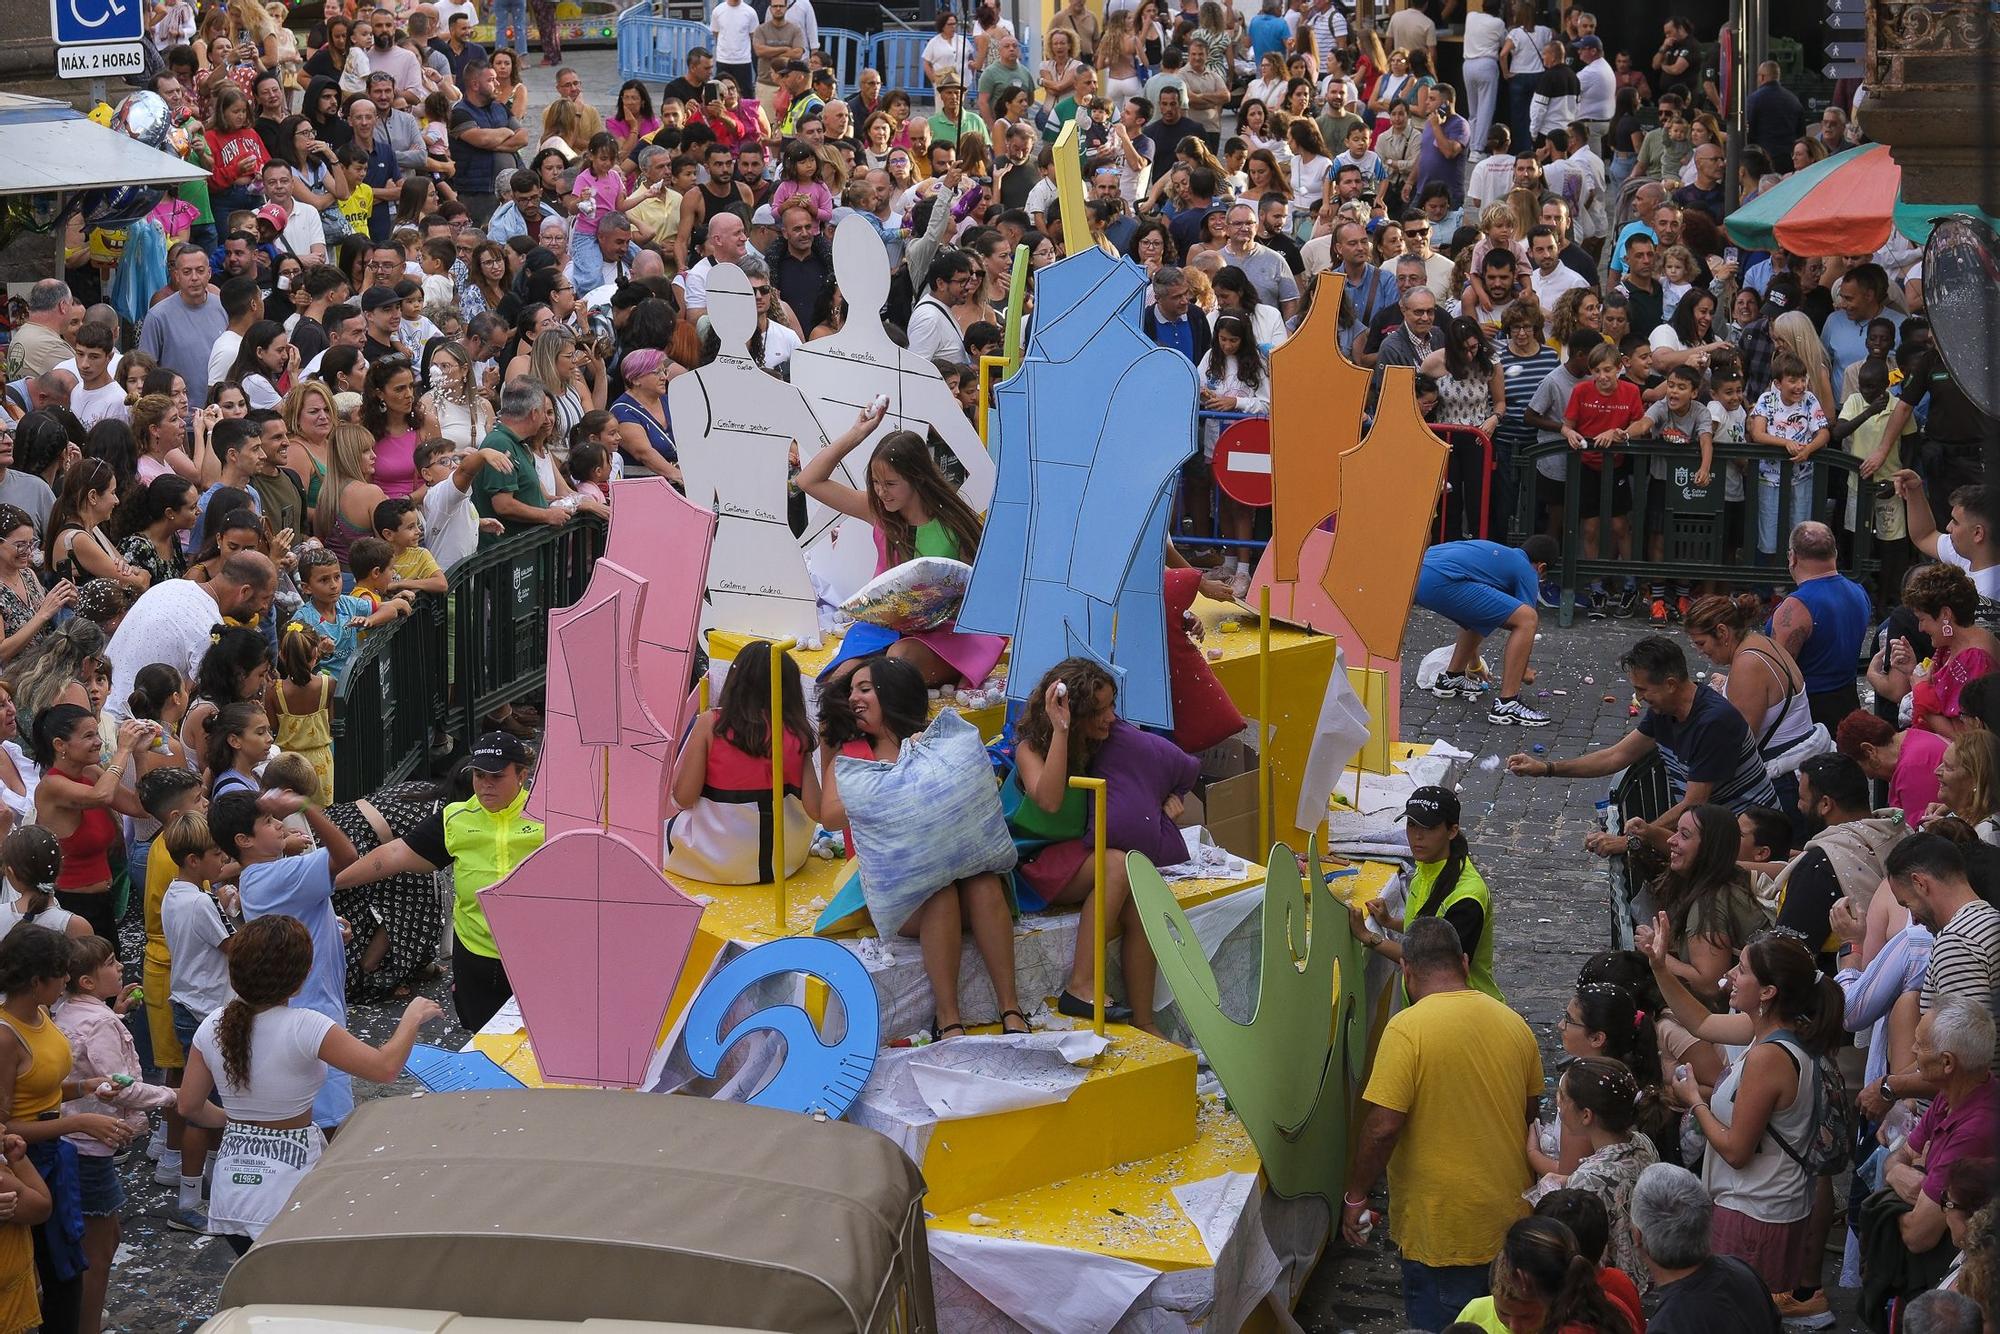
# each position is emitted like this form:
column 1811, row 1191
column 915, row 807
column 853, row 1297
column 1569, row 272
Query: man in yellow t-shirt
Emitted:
column 1455, row 1084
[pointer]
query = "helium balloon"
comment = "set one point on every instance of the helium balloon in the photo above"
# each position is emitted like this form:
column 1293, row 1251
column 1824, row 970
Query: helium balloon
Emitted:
column 1962, row 291
column 118, row 205
column 145, row 117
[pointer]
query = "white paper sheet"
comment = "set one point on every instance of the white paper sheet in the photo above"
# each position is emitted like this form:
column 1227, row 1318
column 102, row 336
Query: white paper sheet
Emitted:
column 1215, row 1206
column 1049, row 1291
column 983, row 1076
column 1337, row 738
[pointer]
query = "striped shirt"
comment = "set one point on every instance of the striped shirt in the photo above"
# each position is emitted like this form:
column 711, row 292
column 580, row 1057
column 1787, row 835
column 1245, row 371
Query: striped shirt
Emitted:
column 1966, row 959
column 1524, row 376
column 1711, row 745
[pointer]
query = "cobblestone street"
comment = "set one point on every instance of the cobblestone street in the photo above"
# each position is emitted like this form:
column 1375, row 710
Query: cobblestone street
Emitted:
column 1550, row 906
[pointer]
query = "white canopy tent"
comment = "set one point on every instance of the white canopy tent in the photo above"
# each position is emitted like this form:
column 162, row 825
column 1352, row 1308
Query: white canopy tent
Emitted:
column 47, row 147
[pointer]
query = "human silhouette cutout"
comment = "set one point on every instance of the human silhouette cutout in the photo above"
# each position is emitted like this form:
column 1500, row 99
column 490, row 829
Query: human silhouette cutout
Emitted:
column 847, row 370
column 734, row 425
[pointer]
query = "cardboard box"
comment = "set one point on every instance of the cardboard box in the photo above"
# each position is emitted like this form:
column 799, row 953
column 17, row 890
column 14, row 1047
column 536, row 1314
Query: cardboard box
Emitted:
column 1231, row 805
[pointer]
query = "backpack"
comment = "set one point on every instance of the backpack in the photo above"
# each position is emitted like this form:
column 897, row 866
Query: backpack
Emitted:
column 1829, row 1140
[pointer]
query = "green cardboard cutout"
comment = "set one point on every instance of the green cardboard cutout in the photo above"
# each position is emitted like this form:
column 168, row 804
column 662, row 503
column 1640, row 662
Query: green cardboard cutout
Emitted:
column 1285, row 1071
column 1352, row 956
column 1017, row 293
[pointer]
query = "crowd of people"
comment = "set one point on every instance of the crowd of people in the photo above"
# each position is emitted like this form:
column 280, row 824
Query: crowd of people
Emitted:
column 403, row 318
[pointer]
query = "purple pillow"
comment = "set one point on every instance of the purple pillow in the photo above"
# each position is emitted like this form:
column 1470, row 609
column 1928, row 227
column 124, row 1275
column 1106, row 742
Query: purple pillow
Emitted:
column 1141, row 771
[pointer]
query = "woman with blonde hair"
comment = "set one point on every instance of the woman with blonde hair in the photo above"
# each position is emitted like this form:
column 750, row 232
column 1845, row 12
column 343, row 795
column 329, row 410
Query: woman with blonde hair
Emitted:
column 558, row 361
column 310, row 413
column 1118, row 59
column 1793, row 332
column 157, row 432
column 1578, row 308
column 345, row 512
column 1969, row 783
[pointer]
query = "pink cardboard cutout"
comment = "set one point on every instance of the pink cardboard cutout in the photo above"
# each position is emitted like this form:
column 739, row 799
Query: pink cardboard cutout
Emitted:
column 594, row 939
column 618, row 672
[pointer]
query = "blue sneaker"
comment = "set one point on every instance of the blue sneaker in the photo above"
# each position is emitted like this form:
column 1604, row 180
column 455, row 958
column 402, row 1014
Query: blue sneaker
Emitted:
column 1550, row 594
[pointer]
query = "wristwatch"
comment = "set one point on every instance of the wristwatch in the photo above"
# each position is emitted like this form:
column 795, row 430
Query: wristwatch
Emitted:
column 1888, row 1094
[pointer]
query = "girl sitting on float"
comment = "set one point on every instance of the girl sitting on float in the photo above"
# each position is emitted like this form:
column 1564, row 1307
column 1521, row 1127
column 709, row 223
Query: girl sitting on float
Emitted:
column 867, row 709
column 915, row 512
column 723, row 780
column 1071, row 727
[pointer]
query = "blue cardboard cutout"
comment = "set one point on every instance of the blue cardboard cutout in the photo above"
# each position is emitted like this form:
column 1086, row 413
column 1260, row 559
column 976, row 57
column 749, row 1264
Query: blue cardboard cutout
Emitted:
column 442, row 1070
column 1091, row 433
column 815, row 1077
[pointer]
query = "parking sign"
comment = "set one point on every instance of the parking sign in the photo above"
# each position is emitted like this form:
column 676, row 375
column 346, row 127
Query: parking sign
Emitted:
column 97, row 38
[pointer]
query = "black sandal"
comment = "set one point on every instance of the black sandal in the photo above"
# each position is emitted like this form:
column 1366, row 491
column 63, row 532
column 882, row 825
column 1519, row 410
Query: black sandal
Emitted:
column 937, row 1034
column 1025, row 1027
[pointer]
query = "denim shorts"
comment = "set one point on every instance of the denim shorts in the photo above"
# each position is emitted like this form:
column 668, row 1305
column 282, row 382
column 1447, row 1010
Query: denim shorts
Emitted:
column 186, row 1021
column 103, row 1194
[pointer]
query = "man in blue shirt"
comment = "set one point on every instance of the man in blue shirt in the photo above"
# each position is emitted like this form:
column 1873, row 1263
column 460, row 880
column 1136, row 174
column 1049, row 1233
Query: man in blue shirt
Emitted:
column 1269, row 32
column 1822, row 624
column 1170, row 323
column 1863, row 296
column 1481, row 587
column 383, row 174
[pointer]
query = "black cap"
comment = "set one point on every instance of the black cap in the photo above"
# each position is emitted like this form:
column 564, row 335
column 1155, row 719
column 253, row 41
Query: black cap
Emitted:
column 1428, row 807
column 375, row 298
column 496, row 750
column 822, row 75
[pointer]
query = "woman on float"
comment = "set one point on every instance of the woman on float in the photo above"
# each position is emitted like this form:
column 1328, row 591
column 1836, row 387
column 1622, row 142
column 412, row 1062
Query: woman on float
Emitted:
column 1067, row 730
column 866, row 711
column 915, row 512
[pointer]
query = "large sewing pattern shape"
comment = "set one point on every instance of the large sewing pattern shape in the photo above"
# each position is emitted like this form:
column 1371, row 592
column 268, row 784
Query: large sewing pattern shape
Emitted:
column 594, row 939
column 843, row 373
column 1091, row 432
column 734, row 426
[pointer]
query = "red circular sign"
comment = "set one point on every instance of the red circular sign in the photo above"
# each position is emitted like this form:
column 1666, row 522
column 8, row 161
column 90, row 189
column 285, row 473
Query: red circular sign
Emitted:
column 1243, row 462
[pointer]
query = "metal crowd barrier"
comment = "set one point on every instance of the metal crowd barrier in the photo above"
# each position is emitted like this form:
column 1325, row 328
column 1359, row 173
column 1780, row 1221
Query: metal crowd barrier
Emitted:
column 464, row 654
column 652, row 46
column 1707, row 539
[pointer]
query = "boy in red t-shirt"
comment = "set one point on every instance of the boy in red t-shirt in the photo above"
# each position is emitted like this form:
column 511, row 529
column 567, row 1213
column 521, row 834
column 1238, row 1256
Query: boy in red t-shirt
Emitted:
column 1600, row 409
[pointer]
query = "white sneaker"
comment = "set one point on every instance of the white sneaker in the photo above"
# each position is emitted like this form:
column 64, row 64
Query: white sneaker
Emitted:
column 1453, row 685
column 167, row 1171
column 1513, row 713
column 156, row 1145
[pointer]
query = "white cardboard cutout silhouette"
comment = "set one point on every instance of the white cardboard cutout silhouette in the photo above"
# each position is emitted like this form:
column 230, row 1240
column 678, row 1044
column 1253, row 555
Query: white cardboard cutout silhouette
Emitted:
column 734, row 426
column 840, row 375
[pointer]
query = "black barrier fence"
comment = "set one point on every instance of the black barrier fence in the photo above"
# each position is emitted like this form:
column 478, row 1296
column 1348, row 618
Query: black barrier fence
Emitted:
column 1703, row 536
column 463, row 655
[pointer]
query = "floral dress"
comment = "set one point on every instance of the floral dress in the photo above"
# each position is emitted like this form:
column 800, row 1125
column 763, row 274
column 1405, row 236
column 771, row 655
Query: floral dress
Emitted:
column 407, row 905
column 15, row 612
column 140, row 553
column 1610, row 1174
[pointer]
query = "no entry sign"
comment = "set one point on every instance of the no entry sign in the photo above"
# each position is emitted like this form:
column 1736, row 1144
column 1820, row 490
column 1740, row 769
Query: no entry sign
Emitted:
column 1243, row 462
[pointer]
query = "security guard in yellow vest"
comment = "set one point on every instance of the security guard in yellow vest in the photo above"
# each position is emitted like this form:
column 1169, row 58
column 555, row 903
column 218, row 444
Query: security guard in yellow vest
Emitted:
column 1442, row 884
column 481, row 840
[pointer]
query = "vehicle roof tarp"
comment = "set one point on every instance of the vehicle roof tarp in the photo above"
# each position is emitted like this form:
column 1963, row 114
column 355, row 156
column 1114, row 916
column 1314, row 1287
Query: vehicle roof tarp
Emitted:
column 49, row 148
column 559, row 1204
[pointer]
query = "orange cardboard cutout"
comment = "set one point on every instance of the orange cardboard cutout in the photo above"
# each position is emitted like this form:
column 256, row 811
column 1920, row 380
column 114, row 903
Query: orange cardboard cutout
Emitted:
column 1393, row 480
column 1316, row 397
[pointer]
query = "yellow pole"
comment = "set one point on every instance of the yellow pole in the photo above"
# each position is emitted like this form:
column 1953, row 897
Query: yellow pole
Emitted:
column 1264, row 719
column 988, row 368
column 778, row 648
column 1096, row 788
column 1069, row 192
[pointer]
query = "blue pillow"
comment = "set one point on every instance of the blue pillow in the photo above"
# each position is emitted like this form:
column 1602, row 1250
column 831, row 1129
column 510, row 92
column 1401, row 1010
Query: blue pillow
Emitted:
column 930, row 818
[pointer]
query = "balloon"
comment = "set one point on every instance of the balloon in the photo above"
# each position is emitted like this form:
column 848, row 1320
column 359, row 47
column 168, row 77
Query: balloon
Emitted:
column 118, row 205
column 145, row 117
